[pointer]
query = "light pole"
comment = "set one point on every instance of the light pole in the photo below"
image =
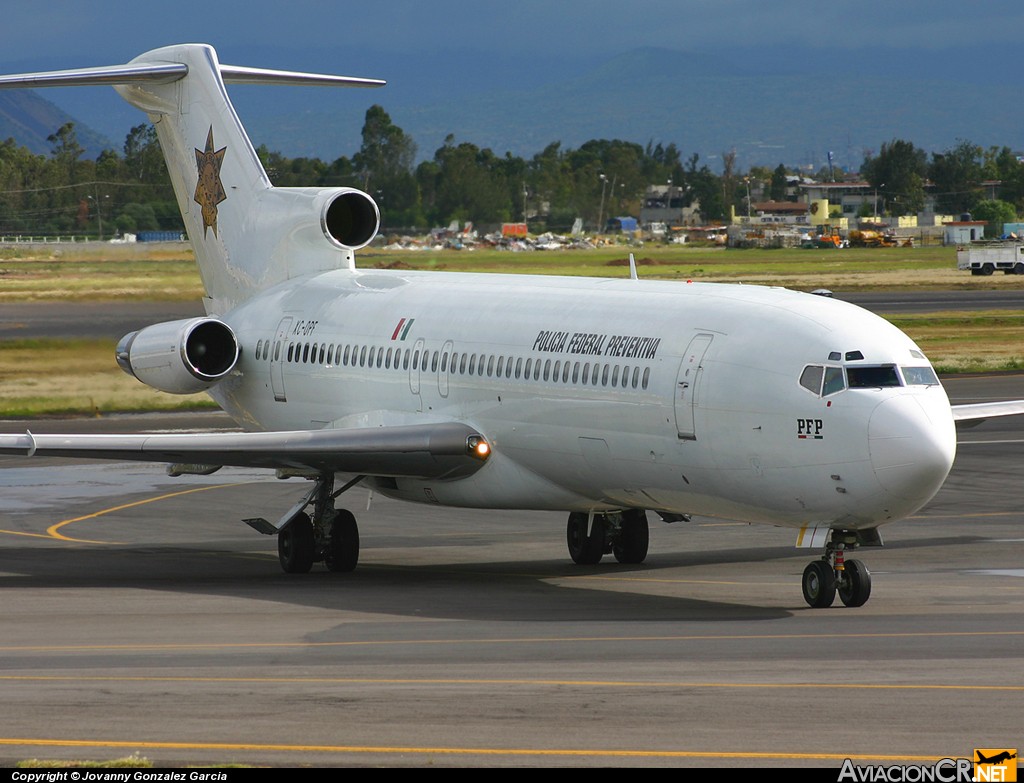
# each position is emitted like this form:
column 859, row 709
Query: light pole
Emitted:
column 99, row 213
column 600, row 214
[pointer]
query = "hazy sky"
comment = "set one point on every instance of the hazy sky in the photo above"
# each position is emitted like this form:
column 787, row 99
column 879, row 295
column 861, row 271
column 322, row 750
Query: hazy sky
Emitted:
column 118, row 29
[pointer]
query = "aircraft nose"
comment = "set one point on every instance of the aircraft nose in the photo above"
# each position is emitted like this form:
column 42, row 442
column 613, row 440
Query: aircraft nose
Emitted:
column 912, row 441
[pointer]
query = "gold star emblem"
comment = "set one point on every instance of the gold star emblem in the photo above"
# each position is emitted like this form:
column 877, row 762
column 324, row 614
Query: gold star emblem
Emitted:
column 209, row 188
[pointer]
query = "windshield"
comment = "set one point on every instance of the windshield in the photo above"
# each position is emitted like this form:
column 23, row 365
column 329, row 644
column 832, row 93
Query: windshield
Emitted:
column 919, row 376
column 872, row 377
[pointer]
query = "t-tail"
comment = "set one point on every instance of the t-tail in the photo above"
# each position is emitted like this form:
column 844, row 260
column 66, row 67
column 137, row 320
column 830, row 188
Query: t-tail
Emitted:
column 247, row 235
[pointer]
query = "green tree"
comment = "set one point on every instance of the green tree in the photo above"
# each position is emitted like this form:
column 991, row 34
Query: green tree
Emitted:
column 956, row 175
column 779, row 183
column 66, row 149
column 384, row 164
column 705, row 188
column 897, row 174
column 995, row 213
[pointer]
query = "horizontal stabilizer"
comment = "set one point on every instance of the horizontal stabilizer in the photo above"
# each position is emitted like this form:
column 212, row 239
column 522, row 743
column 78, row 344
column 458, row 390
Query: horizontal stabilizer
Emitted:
column 165, row 73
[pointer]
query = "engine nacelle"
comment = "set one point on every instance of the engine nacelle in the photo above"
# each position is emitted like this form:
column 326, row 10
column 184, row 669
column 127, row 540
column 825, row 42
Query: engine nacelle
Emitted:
column 350, row 219
column 180, row 357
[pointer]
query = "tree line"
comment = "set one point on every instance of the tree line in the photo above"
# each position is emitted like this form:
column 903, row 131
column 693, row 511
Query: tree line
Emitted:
column 63, row 193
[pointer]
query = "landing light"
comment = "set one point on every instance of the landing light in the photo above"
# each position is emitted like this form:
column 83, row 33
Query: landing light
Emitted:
column 478, row 447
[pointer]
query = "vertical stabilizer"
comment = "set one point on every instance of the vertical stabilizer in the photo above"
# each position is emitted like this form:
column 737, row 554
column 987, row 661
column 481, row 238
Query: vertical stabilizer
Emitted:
column 246, row 234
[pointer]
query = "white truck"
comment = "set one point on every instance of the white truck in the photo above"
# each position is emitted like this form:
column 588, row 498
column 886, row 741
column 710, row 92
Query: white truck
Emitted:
column 1007, row 257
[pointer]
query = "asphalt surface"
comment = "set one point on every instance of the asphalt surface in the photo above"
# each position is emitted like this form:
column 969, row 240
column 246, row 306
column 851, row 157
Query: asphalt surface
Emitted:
column 141, row 616
column 112, row 320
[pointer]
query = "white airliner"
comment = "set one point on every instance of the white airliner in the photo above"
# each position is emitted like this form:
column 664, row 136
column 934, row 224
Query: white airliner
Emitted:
column 602, row 398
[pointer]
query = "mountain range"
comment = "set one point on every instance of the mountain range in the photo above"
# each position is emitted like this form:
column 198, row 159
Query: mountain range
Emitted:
column 790, row 105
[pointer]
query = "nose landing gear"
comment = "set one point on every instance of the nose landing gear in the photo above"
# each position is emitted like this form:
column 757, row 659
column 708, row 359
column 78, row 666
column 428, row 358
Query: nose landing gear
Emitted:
column 833, row 573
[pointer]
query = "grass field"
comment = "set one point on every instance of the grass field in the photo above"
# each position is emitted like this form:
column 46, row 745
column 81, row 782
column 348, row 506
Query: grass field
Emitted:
column 50, row 377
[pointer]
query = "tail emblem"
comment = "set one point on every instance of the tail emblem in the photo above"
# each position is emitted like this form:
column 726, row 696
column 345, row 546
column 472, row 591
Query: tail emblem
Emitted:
column 209, row 188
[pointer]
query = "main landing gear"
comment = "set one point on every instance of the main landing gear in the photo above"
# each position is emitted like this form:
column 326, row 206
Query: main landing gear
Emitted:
column 330, row 535
column 622, row 533
column 833, row 573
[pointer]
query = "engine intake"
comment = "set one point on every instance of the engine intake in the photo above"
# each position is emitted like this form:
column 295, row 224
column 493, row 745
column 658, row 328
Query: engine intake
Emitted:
column 351, row 219
column 180, row 357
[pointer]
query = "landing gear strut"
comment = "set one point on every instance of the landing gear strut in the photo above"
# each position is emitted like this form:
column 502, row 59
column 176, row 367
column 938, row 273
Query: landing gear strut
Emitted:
column 623, row 533
column 833, row 573
column 330, row 535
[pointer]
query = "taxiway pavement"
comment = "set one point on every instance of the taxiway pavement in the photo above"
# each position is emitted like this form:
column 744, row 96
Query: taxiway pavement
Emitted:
column 140, row 615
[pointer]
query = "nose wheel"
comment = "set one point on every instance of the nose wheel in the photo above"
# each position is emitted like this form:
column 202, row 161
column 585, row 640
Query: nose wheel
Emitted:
column 834, row 574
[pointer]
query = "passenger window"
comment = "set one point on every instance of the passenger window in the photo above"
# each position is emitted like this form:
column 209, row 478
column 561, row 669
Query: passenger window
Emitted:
column 547, row 369
column 501, row 366
column 519, row 367
column 615, row 375
column 362, row 356
column 565, row 373
column 811, row 377
column 277, row 350
column 490, row 366
column 636, row 377
column 576, row 372
column 604, row 376
column 647, row 376
column 323, row 351
column 433, row 362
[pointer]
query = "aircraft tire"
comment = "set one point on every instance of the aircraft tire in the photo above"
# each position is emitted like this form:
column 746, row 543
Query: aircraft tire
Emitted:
column 819, row 584
column 856, row 585
column 584, row 549
column 342, row 552
column 295, row 546
column 631, row 546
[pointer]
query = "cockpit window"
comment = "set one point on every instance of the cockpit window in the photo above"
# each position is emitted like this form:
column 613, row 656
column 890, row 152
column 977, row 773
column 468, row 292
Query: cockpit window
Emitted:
column 872, row 377
column 834, row 381
column 810, row 378
column 813, row 375
column 919, row 376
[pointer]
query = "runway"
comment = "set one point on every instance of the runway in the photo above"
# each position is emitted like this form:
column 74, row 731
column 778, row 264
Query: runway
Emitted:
column 113, row 320
column 141, row 616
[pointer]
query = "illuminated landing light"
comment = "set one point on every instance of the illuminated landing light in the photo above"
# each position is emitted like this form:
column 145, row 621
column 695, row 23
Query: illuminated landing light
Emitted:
column 478, row 447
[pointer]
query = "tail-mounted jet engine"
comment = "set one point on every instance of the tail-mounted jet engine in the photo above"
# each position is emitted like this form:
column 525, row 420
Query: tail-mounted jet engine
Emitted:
column 350, row 219
column 180, row 357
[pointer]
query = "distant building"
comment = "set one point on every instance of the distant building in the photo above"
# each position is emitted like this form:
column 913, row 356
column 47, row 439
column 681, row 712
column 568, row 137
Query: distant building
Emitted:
column 962, row 232
column 670, row 205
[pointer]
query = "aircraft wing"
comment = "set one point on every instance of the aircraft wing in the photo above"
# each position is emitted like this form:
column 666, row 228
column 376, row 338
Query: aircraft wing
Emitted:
column 976, row 413
column 445, row 450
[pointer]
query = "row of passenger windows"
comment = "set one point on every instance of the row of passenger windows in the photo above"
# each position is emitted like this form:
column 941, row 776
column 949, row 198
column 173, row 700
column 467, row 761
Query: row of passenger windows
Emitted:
column 456, row 363
column 829, row 380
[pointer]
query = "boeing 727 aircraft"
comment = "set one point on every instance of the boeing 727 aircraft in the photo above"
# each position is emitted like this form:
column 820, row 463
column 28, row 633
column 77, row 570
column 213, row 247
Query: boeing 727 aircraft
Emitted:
column 606, row 399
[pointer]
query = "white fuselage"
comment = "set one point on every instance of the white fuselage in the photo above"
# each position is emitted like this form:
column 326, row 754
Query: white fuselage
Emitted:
column 605, row 394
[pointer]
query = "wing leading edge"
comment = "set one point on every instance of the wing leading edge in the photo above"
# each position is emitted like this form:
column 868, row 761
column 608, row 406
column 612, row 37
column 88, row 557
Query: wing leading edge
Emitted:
column 446, row 450
column 975, row 413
